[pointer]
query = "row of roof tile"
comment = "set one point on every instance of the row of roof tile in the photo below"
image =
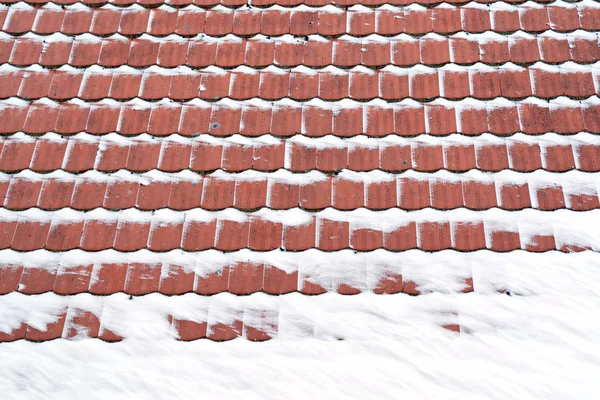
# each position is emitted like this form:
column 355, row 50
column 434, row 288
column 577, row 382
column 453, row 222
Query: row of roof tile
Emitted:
column 313, row 120
column 330, row 85
column 259, row 234
column 76, row 156
column 244, row 22
column 214, row 193
column 143, row 52
column 239, row 278
column 282, row 3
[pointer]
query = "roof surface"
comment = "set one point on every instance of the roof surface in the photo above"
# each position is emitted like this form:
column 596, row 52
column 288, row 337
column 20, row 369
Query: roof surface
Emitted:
column 388, row 174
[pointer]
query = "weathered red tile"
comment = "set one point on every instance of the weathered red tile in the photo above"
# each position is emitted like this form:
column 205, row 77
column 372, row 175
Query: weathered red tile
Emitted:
column 177, row 280
column 10, row 277
column 503, row 241
column 468, row 236
column 52, row 330
column 165, row 236
column 333, row 235
column 198, row 235
column 131, row 236
column 37, row 280
column 231, row 235
column 550, row 198
column 479, row 195
column 186, row 195
column 434, row 236
column 514, row 196
column 73, row 279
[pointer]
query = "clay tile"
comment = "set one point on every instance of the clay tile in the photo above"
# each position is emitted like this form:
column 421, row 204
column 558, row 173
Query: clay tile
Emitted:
column 534, row 19
column 143, row 156
column 331, row 24
column 30, row 235
column 413, row 194
column 218, row 22
column 479, row 195
column 591, row 118
column 524, row 50
column 418, row 21
column 19, row 20
column 22, row 193
column 379, row 121
column 503, row 120
column 348, row 122
column 503, row 241
column 304, row 22
column 286, row 120
column 365, row 240
column 153, row 196
column 105, row 21
column 346, row 53
column 583, row 202
column 172, row 54
column 477, row 20
column 55, row 194
column 72, row 118
column 524, row 157
column 134, row 21
column 316, row 121
column 363, row 158
column 313, row 54
column 348, row 194
column 217, row 193
column 250, row 194
column 554, row 50
column 463, row 50
column 259, row 53
column 363, row 86
column 446, row 20
column 505, row 20
column 64, row 235
column 446, row 195
column 198, row 235
column 440, row 120
column 177, row 280
column 164, row 120
column 237, row 157
column 550, row 198
column 25, row 52
column 231, row 54
column 454, row 84
column 361, row 23
column 468, row 236
column 131, row 236
column 393, row 86
column 165, row 236
column 10, row 277
column 264, row 235
column 37, row 280
column 409, row 121
column 142, row 278
column 291, row 54
column 395, row 158
column 162, row 21
column 224, row 121
column 80, row 156
column 88, row 195
column 304, row 86
column 494, row 51
column 381, row 195
column 10, row 83
column 16, row 155
column 52, row 330
column 427, row 157
column 246, row 22
column 299, row 237
column 274, row 86
column 121, row 195
column 84, row 54
column 113, row 53
column 534, row 119
column 231, row 235
column 333, row 235
column 588, row 157
column 546, row 84
column 388, row 22
column 277, row 281
column 492, row 157
column 588, row 17
column 255, row 121
column 282, row 195
column 77, row 21
column 434, row 236
column 514, row 197
column 174, row 156
column 202, row 54
column 434, row 51
column 424, row 85
column 205, row 157
column 406, row 53
column 558, row 158
column 47, row 21
column 34, row 85
column 98, row 235
column 190, row 22
column 48, row 155
column 7, row 232
column 578, row 84
column 185, row 195
column 143, row 53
